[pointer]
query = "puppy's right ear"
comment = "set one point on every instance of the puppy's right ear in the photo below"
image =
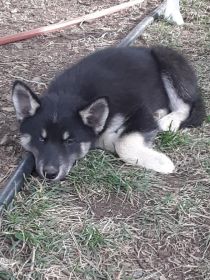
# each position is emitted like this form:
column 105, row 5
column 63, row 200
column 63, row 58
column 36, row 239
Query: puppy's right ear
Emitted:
column 95, row 115
column 25, row 101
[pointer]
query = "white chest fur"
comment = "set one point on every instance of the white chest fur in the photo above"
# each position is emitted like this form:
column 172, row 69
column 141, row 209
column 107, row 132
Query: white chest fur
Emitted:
column 109, row 137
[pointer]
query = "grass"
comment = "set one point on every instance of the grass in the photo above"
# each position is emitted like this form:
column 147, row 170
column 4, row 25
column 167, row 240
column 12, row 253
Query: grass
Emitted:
column 101, row 167
column 172, row 140
column 91, row 237
column 115, row 222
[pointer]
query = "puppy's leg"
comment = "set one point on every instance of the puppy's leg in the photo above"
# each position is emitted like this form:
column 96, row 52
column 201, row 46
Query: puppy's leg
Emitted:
column 180, row 109
column 172, row 12
column 173, row 120
column 132, row 149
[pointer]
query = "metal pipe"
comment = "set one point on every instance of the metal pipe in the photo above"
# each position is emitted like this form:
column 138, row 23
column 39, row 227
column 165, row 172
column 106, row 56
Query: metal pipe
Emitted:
column 16, row 181
column 139, row 29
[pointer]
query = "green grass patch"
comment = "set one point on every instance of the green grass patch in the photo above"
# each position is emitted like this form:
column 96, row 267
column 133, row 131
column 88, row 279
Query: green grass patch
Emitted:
column 172, row 140
column 206, row 165
column 91, row 237
column 5, row 275
column 208, row 119
column 103, row 171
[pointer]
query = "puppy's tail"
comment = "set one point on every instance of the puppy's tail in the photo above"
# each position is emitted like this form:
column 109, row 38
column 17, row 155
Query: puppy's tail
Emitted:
column 197, row 114
column 175, row 68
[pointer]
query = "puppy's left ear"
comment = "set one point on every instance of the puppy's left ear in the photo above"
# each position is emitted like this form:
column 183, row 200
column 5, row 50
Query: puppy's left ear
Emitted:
column 96, row 114
column 25, row 101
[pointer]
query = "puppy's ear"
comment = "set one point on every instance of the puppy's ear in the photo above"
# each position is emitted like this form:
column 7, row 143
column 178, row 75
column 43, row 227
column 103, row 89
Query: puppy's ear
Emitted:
column 25, row 101
column 96, row 114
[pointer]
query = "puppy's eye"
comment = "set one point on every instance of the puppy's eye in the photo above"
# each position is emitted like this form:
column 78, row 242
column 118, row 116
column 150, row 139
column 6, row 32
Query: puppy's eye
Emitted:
column 68, row 141
column 43, row 135
column 42, row 139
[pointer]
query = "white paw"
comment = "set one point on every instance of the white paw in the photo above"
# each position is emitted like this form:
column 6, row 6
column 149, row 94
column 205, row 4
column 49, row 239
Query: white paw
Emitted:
column 169, row 122
column 163, row 164
column 131, row 149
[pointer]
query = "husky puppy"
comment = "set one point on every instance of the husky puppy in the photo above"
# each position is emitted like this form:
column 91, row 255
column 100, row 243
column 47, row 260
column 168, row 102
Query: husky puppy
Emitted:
column 116, row 99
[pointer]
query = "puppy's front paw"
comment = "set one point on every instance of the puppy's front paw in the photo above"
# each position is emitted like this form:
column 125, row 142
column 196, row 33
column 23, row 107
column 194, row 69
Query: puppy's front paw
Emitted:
column 169, row 122
column 163, row 164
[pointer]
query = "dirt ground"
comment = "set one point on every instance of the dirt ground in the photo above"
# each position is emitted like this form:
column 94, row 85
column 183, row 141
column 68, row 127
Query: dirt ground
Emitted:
column 106, row 221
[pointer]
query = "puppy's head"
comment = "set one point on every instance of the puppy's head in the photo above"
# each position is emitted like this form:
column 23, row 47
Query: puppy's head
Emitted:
column 56, row 128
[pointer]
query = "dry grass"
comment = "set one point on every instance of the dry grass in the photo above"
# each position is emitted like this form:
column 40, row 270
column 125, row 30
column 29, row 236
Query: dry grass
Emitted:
column 110, row 221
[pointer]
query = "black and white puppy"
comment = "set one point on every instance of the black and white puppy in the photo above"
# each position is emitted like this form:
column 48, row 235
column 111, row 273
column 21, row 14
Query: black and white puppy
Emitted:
column 116, row 99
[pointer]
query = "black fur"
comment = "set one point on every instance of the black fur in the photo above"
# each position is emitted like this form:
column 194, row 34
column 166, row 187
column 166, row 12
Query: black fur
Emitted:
column 184, row 80
column 129, row 79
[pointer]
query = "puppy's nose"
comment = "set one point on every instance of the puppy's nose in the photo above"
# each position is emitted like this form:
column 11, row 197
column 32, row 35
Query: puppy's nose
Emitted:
column 50, row 172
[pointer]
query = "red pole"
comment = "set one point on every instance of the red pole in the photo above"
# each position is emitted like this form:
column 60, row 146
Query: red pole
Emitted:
column 59, row 26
